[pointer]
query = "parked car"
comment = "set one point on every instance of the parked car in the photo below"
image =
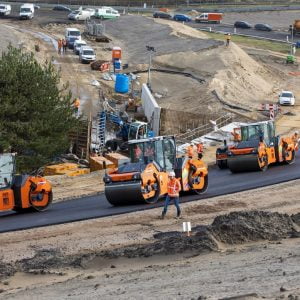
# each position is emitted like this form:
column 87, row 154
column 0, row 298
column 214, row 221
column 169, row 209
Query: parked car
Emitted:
column 182, row 18
column 286, row 98
column 61, row 8
column 26, row 11
column 5, row 9
column 162, row 15
column 242, row 24
column 105, row 12
column 86, row 54
column 80, row 15
column 263, row 27
column 77, row 46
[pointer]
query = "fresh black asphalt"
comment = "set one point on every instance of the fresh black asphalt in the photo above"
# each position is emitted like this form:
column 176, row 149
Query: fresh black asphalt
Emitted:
column 221, row 182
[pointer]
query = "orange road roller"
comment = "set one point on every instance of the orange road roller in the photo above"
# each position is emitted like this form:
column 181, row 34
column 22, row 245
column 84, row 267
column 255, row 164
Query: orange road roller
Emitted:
column 21, row 192
column 145, row 178
column 258, row 148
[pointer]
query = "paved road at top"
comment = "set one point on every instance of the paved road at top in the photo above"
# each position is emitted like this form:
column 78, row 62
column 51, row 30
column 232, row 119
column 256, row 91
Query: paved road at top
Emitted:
column 221, row 182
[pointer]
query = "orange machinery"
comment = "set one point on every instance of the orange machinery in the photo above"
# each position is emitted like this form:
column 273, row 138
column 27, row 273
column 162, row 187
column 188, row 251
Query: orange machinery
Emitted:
column 145, row 178
column 21, row 192
column 258, row 148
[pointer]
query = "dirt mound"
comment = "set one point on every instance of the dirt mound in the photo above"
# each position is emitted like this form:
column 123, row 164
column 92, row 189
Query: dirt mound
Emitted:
column 234, row 228
column 201, row 242
column 241, row 227
column 6, row 269
column 296, row 218
column 242, row 79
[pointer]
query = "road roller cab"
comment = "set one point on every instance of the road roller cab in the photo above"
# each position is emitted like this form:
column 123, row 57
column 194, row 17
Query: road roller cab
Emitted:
column 21, row 192
column 259, row 147
column 145, row 178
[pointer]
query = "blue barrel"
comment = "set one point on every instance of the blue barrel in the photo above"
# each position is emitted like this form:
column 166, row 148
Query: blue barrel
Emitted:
column 117, row 64
column 122, row 83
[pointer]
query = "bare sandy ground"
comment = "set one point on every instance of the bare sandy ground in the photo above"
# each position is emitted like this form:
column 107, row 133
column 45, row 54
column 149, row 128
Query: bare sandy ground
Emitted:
column 260, row 268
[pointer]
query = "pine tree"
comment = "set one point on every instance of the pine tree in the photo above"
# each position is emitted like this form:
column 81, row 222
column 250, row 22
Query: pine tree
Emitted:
column 35, row 115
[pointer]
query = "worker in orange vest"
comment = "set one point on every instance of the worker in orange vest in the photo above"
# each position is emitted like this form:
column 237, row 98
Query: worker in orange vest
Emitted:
column 174, row 188
column 236, row 136
column 228, row 38
column 200, row 149
column 77, row 105
column 64, row 45
column 296, row 140
column 190, row 150
column 59, row 45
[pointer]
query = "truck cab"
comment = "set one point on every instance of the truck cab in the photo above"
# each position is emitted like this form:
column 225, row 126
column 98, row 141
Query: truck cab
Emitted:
column 71, row 35
column 27, row 11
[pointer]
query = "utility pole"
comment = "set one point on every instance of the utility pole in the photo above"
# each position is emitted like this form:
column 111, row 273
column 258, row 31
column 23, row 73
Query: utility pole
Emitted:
column 150, row 50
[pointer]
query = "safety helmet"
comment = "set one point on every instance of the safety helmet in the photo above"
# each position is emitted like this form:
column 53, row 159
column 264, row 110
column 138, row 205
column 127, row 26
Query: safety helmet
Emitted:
column 172, row 174
column 297, row 132
column 192, row 143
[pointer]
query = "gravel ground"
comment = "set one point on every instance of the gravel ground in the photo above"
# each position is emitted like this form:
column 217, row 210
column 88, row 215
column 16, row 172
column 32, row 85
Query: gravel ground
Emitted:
column 135, row 39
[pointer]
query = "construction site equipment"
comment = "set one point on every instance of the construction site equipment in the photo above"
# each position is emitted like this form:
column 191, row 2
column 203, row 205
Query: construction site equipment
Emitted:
column 290, row 59
column 22, row 192
column 295, row 28
column 257, row 149
column 145, row 178
column 127, row 131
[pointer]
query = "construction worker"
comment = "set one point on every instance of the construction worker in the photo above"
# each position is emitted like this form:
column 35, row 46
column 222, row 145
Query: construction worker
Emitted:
column 236, row 136
column 190, row 150
column 228, row 38
column 77, row 105
column 200, row 149
column 138, row 152
column 296, row 140
column 59, row 45
column 64, row 45
column 174, row 188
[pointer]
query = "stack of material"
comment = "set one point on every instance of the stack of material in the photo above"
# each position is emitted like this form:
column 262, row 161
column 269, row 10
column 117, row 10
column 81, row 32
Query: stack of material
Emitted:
column 100, row 65
column 68, row 169
column 117, row 159
column 97, row 163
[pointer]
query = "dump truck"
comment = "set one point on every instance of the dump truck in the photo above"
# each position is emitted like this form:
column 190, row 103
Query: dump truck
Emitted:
column 295, row 28
column 209, row 18
column 258, row 148
column 145, row 178
column 22, row 192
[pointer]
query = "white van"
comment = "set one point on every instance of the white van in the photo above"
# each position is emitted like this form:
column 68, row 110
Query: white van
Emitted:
column 106, row 13
column 86, row 54
column 5, row 9
column 77, row 46
column 71, row 35
column 27, row 11
column 80, row 15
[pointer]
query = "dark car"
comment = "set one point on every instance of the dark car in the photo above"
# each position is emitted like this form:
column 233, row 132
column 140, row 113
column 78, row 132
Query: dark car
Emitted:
column 263, row 27
column 163, row 15
column 182, row 18
column 61, row 8
column 242, row 24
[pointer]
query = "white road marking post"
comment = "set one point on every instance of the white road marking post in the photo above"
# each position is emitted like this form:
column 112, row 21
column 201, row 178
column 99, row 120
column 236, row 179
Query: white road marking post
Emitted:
column 187, row 227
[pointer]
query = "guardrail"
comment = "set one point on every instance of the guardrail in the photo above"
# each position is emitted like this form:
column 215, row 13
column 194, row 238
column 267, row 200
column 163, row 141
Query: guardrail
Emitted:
column 187, row 137
column 209, row 29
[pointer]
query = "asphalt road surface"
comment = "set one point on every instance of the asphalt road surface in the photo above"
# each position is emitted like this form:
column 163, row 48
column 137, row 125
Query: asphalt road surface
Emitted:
column 221, row 182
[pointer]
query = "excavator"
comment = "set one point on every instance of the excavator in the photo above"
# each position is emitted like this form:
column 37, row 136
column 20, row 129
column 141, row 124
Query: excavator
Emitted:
column 21, row 192
column 145, row 178
column 258, row 148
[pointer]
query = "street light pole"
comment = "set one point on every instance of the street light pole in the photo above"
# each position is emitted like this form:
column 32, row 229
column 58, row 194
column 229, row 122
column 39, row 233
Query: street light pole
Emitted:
column 150, row 50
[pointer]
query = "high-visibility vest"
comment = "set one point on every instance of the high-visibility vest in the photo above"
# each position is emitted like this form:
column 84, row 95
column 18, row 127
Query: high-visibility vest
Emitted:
column 200, row 148
column 190, row 151
column 77, row 103
column 174, row 188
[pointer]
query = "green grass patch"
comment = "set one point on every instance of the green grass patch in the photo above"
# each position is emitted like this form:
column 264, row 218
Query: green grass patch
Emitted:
column 252, row 42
